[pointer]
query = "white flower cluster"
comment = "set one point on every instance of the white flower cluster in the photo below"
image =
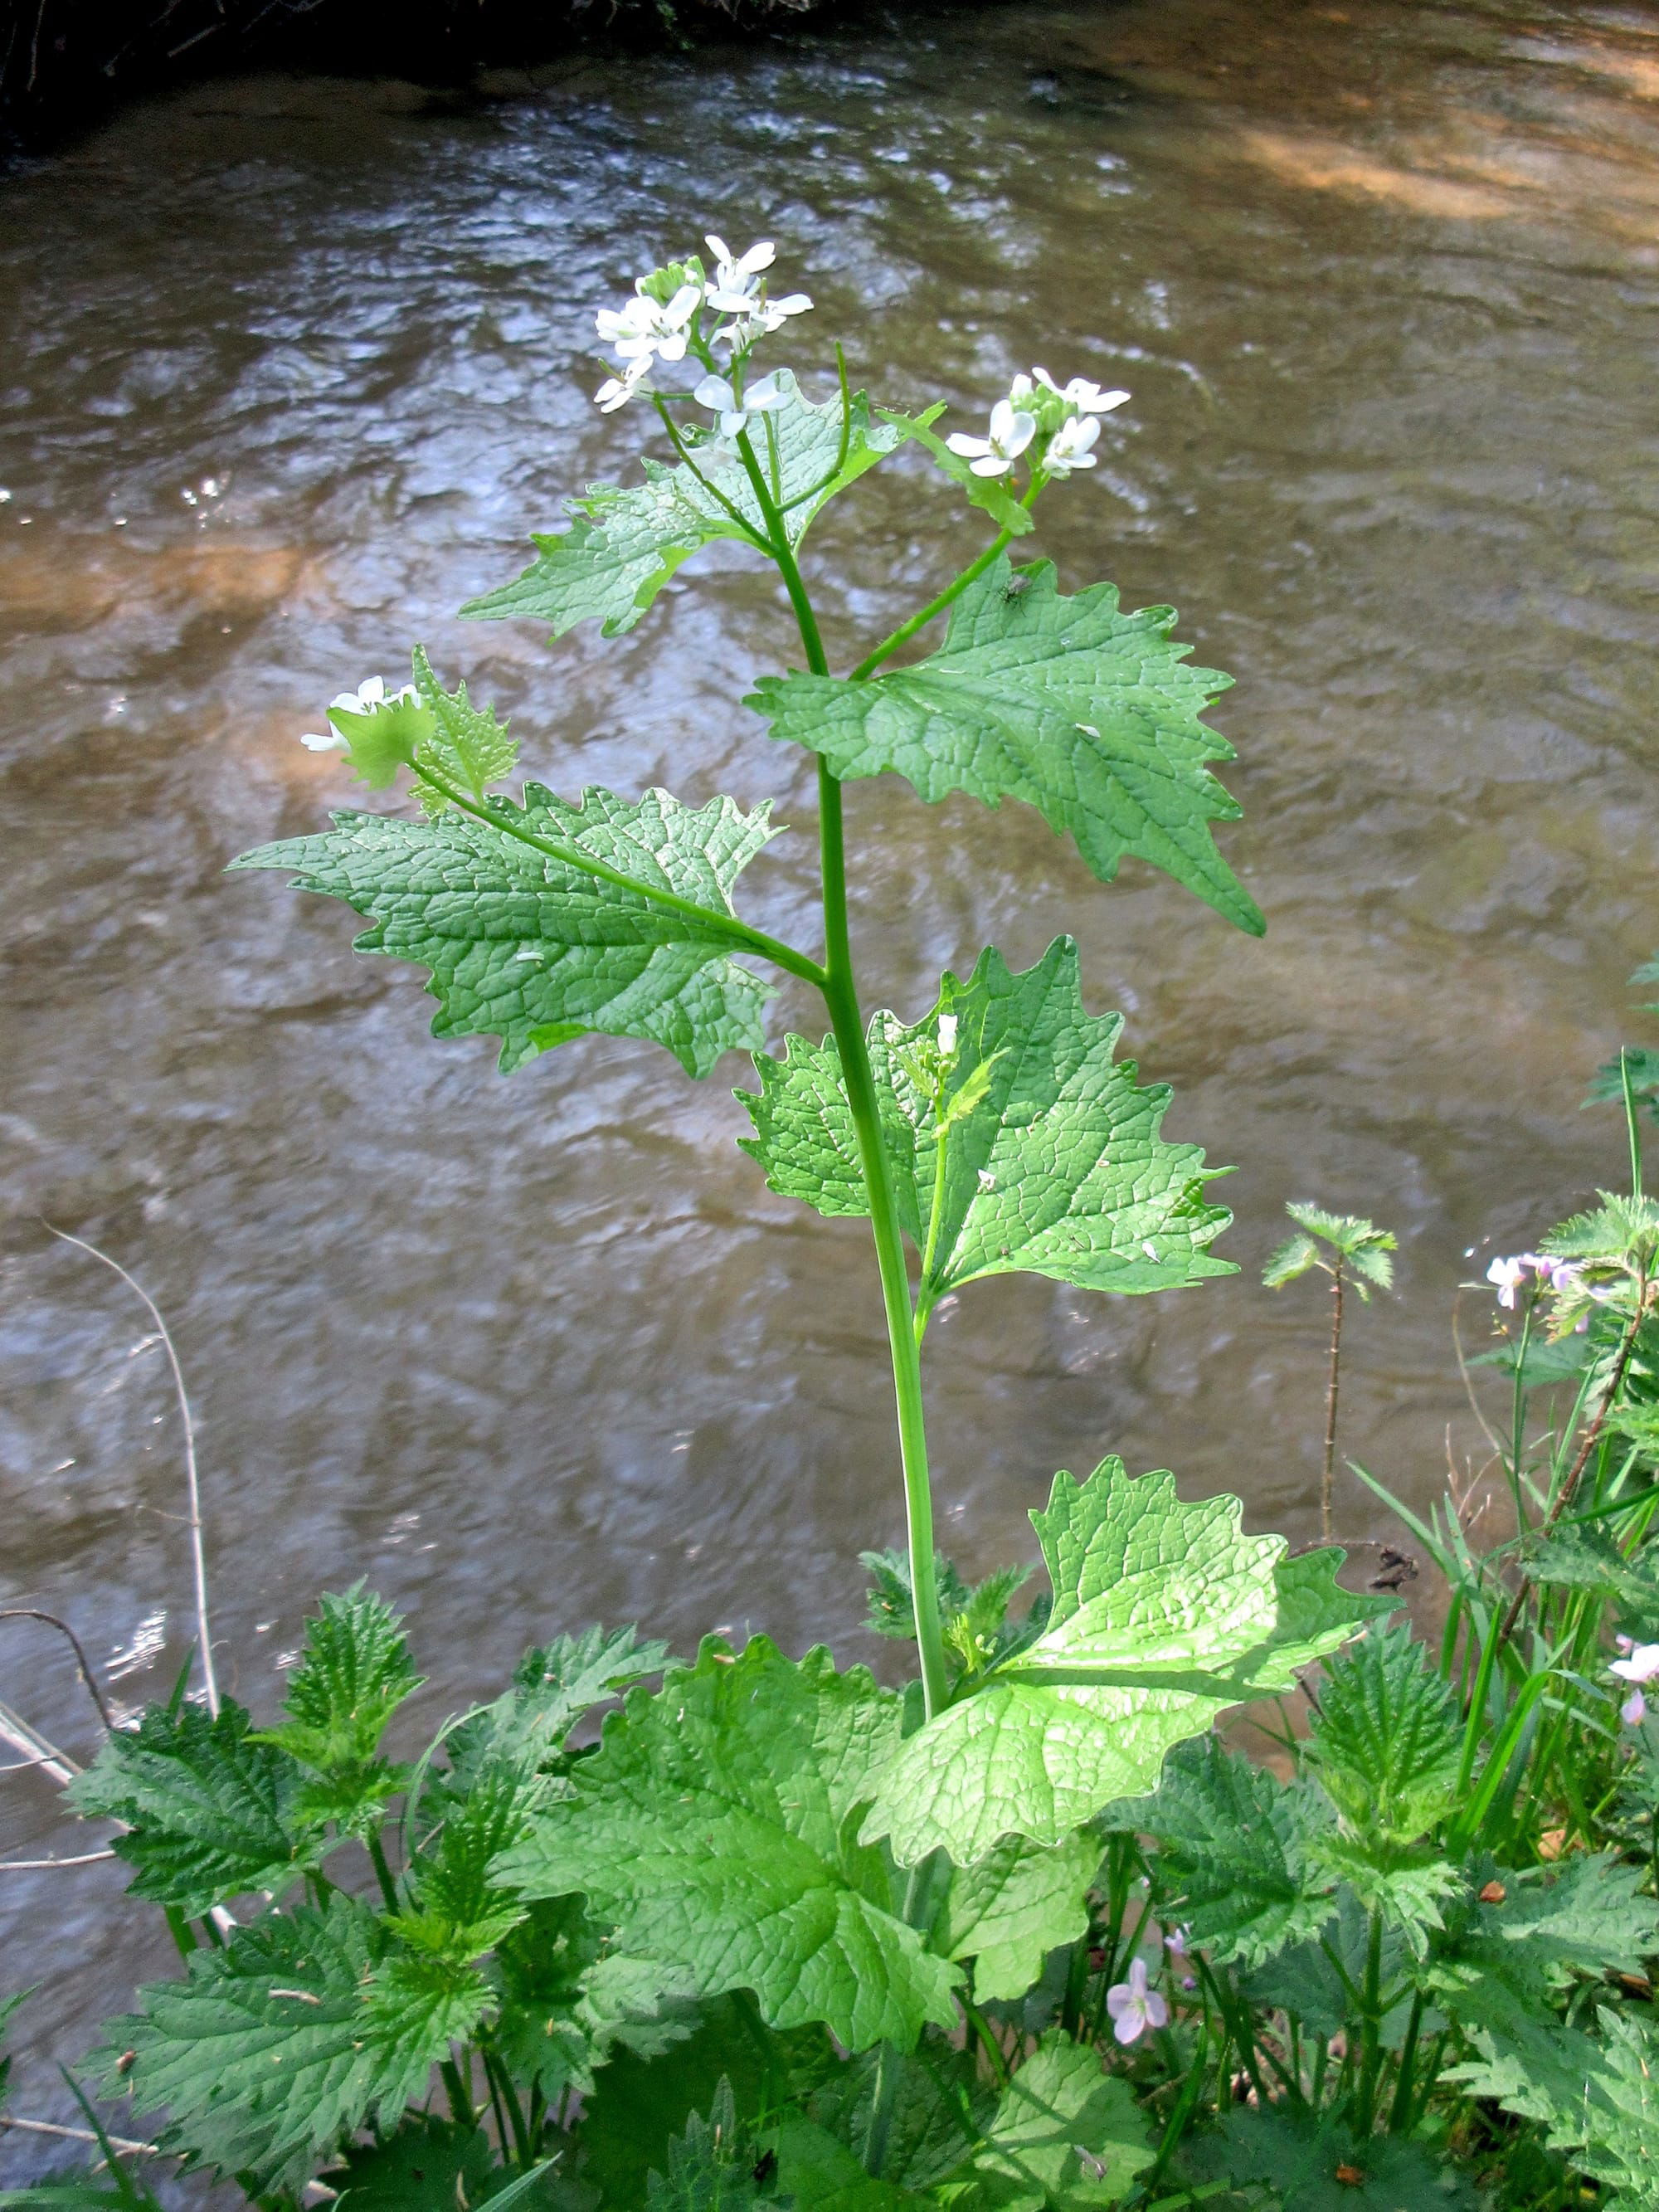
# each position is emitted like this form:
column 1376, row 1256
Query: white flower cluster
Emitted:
column 370, row 694
column 1065, row 417
column 661, row 321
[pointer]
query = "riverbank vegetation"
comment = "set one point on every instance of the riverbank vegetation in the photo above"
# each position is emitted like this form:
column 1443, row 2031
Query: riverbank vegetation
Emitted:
column 1025, row 1931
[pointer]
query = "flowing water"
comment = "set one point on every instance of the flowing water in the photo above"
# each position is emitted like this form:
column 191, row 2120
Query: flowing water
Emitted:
column 292, row 366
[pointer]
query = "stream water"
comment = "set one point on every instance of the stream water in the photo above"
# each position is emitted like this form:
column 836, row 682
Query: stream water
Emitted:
column 292, row 367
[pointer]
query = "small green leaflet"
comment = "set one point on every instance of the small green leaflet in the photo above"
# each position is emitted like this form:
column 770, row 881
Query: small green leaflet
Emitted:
column 211, row 1812
column 533, row 949
column 715, row 1826
column 1233, row 1851
column 1164, row 1614
column 1052, row 1160
column 1018, row 1905
column 261, row 2054
column 1088, row 713
column 427, row 727
column 1066, row 2137
column 623, row 544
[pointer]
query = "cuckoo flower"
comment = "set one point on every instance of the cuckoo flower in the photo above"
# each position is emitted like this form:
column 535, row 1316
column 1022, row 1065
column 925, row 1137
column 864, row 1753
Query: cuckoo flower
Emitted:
column 1509, row 1276
column 1134, row 2007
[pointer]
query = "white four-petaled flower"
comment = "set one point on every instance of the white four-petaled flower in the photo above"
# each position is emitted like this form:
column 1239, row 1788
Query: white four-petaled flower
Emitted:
column 737, row 279
column 1134, row 2007
column 617, row 390
column 1069, row 448
column 370, row 694
column 1088, row 398
column 1011, row 431
column 1509, row 1275
column 735, row 408
column 645, row 327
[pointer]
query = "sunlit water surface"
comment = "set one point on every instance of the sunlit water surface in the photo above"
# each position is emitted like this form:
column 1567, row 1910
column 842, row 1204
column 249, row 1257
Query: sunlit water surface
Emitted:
column 291, row 368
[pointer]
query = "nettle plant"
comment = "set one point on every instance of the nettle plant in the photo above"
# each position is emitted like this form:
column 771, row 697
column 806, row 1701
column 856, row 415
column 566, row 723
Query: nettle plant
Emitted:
column 797, row 1920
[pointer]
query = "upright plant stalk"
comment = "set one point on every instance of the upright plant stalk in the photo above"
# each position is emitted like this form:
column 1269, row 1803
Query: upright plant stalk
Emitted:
column 841, row 998
column 1326, row 1473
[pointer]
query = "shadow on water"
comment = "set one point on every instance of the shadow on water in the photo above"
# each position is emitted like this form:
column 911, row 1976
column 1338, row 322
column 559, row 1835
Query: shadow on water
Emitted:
column 293, row 365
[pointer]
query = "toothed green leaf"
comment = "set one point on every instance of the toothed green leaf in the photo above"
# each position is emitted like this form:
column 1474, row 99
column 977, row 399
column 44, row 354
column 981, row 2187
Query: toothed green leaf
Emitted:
column 715, row 1826
column 1088, row 715
column 1018, row 1903
column 554, row 1685
column 263, row 2053
column 1052, row 1162
column 624, row 543
column 353, row 1673
column 211, row 1812
column 526, row 946
column 1066, row 2137
column 1164, row 1614
column 1386, row 1741
column 466, row 744
column 426, row 2165
column 1233, row 1851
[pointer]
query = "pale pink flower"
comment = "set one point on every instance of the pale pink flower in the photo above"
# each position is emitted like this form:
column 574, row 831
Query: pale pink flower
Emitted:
column 1634, row 1709
column 1642, row 1665
column 1134, row 2007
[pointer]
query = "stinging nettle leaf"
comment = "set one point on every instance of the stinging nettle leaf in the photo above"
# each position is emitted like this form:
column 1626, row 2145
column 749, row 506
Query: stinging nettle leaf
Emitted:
column 624, row 543
column 1164, row 1614
column 1055, row 1166
column 1087, row 713
column 531, row 948
column 263, row 2053
column 1233, row 1849
column 211, row 1812
column 715, row 1826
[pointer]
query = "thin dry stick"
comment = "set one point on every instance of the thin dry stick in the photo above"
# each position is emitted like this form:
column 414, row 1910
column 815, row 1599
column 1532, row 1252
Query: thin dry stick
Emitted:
column 1330, row 1401
column 83, row 2135
column 34, row 1866
column 33, row 1612
column 198, row 1560
column 17, row 1732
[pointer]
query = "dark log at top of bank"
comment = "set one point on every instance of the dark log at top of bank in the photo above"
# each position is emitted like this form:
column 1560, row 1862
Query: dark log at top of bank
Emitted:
column 64, row 62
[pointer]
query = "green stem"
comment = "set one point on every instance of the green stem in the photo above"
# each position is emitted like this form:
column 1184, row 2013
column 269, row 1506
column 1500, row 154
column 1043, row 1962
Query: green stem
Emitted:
column 925, row 1287
column 906, row 630
column 838, row 983
column 706, row 917
column 1370, row 2025
column 460, row 2103
column 383, row 1873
